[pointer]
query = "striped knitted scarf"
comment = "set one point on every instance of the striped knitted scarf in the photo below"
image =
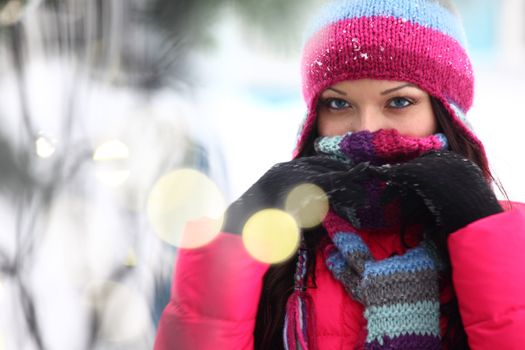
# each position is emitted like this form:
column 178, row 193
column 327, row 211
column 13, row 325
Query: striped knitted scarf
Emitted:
column 400, row 294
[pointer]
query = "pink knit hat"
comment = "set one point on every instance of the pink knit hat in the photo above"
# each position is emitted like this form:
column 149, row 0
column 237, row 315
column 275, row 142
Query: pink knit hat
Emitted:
column 417, row 41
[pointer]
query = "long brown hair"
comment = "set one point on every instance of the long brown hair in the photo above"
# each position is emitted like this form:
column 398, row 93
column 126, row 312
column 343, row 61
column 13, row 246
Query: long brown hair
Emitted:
column 278, row 280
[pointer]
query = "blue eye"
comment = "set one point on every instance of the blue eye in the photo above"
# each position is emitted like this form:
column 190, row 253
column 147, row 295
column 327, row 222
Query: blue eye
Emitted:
column 399, row 102
column 336, row 103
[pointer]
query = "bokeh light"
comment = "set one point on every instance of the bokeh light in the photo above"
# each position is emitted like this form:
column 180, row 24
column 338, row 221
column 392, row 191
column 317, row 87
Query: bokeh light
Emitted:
column 131, row 258
column 45, row 146
column 178, row 200
column 124, row 313
column 112, row 149
column 111, row 158
column 271, row 235
column 308, row 203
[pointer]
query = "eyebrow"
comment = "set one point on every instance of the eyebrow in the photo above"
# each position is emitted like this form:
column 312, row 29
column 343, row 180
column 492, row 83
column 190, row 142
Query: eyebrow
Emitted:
column 338, row 91
column 386, row 92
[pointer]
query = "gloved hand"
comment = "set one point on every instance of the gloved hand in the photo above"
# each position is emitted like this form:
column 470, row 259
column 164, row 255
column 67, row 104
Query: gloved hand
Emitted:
column 271, row 190
column 397, row 292
column 450, row 186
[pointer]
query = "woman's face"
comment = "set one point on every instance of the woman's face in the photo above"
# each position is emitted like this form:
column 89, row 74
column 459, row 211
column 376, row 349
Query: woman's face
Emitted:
column 375, row 104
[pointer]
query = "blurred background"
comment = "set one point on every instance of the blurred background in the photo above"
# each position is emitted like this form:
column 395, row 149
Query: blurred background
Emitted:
column 122, row 119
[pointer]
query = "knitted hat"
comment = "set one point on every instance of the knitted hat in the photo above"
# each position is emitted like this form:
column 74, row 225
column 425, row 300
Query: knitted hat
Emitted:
column 418, row 41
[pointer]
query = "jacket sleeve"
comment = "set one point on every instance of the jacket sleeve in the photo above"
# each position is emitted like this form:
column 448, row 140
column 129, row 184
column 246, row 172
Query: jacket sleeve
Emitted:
column 488, row 272
column 214, row 298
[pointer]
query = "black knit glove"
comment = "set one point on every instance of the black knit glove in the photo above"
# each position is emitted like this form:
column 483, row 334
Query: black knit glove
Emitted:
column 271, row 190
column 451, row 187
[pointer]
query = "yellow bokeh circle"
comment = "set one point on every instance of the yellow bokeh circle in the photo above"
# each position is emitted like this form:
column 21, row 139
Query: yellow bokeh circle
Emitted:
column 308, row 203
column 271, row 235
column 111, row 158
column 183, row 199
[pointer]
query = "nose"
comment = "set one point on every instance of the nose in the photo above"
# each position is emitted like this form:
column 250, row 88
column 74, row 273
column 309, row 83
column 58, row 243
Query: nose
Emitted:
column 371, row 120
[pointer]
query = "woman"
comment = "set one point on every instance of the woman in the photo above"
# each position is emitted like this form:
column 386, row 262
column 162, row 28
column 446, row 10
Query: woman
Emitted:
column 415, row 251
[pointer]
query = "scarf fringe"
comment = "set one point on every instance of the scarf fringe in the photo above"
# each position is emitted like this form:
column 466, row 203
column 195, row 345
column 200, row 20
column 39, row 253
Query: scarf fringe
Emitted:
column 299, row 323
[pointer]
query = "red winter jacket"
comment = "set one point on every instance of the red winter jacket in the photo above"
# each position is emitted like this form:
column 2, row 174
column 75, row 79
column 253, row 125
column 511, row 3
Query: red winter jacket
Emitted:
column 216, row 290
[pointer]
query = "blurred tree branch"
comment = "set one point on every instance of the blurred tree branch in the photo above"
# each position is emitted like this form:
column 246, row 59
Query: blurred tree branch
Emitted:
column 142, row 44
